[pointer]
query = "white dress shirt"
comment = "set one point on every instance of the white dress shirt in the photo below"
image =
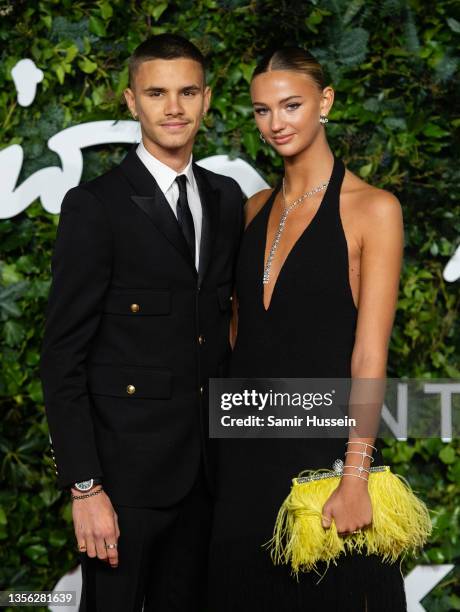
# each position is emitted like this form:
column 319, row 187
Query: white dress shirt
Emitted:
column 166, row 179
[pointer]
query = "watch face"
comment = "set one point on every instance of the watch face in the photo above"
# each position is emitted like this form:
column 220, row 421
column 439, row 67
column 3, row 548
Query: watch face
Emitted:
column 85, row 485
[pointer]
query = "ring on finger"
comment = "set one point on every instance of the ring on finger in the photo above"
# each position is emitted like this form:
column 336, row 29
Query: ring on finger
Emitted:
column 110, row 546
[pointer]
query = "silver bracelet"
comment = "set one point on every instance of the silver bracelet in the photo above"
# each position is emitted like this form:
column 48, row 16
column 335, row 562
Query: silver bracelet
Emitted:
column 87, row 494
column 363, row 454
column 357, row 476
column 359, row 442
column 360, row 468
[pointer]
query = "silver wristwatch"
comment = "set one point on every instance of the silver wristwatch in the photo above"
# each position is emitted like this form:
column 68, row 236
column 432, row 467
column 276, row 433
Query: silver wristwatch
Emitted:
column 86, row 485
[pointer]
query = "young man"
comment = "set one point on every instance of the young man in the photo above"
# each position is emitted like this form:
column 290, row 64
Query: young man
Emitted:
column 137, row 321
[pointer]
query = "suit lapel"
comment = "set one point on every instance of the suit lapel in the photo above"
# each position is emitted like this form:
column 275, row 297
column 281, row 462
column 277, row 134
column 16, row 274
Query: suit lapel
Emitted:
column 210, row 203
column 151, row 200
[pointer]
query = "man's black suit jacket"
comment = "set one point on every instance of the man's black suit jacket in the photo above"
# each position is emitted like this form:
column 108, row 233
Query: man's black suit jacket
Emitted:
column 133, row 333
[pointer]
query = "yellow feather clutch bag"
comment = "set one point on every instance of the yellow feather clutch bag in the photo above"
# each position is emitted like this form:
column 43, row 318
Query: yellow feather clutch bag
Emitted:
column 400, row 524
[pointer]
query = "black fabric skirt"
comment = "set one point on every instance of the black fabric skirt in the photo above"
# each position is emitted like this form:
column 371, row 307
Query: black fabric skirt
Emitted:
column 242, row 576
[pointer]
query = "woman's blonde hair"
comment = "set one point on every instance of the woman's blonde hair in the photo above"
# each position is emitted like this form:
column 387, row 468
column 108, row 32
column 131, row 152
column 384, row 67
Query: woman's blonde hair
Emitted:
column 292, row 58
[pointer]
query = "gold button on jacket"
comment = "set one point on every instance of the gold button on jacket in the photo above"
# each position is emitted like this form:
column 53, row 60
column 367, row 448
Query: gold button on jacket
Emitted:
column 135, row 307
column 131, row 389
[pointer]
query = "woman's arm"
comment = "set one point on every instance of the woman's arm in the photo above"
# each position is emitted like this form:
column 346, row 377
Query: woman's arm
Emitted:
column 381, row 256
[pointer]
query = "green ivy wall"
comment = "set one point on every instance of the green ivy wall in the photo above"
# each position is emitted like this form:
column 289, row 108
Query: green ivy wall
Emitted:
column 394, row 65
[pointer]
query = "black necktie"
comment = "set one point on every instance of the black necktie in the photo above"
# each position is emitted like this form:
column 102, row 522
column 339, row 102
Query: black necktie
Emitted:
column 184, row 216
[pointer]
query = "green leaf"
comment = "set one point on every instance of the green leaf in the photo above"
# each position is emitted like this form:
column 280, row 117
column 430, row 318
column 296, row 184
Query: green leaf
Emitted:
column 86, row 65
column 47, row 20
column 26, row 264
column 122, row 82
column 436, row 555
column 57, row 538
column 3, row 518
column 60, row 73
column 50, row 495
column 14, row 333
column 453, row 24
column 97, row 26
column 352, row 48
column 365, row 171
column 453, row 472
column 36, row 552
column 98, row 95
column 434, row 131
column 434, row 249
column 221, row 104
column 158, row 10
column 35, row 391
column 106, row 9
column 71, row 53
column 352, row 10
column 395, row 123
column 67, row 513
column 454, row 602
column 247, row 70
column 314, row 19
column 32, row 357
column 447, row 455
column 10, row 274
column 252, row 143
column 38, row 288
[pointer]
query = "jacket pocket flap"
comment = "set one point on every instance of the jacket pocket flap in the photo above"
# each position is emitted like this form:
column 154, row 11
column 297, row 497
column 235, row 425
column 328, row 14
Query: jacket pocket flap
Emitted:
column 138, row 303
column 128, row 381
column 224, row 294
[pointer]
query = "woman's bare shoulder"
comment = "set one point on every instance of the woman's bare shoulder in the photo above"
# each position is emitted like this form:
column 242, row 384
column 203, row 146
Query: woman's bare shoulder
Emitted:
column 369, row 202
column 255, row 204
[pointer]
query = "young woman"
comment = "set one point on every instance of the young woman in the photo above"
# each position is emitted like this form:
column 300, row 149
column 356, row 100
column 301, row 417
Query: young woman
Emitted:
column 317, row 283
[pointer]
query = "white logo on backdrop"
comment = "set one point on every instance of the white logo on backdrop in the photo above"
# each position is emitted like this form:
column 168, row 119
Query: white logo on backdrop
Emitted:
column 452, row 270
column 26, row 77
column 51, row 184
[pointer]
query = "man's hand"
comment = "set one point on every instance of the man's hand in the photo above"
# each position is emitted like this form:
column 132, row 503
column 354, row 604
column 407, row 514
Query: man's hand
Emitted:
column 349, row 506
column 96, row 526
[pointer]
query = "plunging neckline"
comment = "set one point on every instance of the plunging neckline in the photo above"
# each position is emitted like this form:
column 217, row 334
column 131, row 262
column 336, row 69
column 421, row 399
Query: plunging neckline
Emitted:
column 296, row 242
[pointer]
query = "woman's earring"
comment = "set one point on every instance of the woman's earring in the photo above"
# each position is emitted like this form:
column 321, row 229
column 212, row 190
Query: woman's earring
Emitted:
column 323, row 119
column 261, row 137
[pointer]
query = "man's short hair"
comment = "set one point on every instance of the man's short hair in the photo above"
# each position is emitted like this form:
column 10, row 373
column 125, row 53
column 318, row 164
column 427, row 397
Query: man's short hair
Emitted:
column 164, row 46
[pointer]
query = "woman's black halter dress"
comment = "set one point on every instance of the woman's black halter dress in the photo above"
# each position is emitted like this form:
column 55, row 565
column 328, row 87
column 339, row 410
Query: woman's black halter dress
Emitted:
column 308, row 331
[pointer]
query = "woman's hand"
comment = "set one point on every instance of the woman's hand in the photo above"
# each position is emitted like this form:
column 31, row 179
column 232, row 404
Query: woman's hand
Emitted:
column 349, row 506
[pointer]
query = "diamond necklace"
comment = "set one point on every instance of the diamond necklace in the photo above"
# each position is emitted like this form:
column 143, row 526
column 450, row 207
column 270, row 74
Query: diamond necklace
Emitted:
column 282, row 223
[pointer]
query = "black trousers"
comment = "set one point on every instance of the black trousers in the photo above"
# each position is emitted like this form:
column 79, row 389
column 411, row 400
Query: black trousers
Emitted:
column 162, row 559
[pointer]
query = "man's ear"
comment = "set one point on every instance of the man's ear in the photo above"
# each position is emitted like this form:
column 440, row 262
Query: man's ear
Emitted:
column 130, row 101
column 207, row 99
